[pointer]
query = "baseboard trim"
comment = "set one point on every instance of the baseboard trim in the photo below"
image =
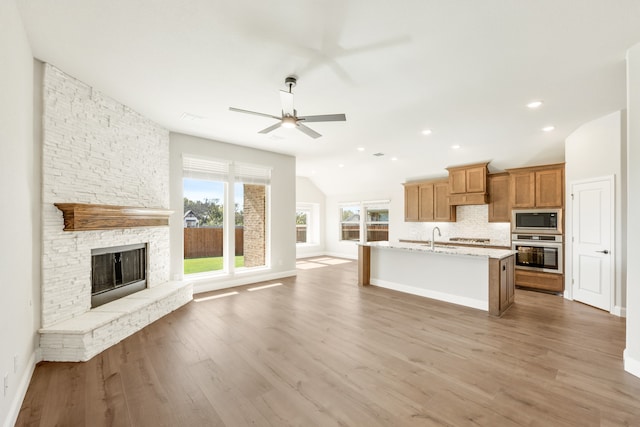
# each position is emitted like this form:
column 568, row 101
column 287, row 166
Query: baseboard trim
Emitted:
column 21, row 391
column 441, row 296
column 619, row 311
column 631, row 364
column 215, row 285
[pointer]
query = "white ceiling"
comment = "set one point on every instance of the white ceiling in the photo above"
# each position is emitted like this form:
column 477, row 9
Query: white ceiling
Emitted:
column 463, row 68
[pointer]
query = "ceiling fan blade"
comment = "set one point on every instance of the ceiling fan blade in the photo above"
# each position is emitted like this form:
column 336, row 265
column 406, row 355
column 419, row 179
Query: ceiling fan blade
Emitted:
column 270, row 128
column 255, row 113
column 310, row 132
column 286, row 99
column 324, row 118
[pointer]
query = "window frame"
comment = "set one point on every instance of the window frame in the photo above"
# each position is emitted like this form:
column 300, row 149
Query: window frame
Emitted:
column 363, row 222
column 231, row 172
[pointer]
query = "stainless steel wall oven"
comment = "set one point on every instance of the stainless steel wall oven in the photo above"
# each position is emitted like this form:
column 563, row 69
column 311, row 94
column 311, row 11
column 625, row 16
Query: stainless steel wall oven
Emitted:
column 538, row 252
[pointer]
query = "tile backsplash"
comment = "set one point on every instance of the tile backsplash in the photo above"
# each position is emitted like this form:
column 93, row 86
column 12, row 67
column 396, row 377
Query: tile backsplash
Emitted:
column 472, row 222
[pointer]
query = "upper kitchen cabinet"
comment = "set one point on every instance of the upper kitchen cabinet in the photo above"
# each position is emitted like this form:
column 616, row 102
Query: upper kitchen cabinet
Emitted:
column 411, row 202
column 537, row 187
column 428, row 201
column 468, row 184
column 499, row 206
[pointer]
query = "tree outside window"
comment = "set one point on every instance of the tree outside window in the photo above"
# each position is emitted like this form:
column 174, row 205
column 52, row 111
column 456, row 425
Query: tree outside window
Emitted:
column 302, row 222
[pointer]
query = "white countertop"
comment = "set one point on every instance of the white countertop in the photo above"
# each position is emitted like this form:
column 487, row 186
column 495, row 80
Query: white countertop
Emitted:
column 444, row 249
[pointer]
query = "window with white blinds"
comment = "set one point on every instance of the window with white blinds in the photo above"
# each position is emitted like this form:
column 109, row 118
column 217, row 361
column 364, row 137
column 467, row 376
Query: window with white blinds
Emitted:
column 209, row 169
column 251, row 174
column 219, row 170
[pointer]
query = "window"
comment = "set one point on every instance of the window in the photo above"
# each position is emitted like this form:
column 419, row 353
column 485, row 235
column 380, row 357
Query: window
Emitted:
column 225, row 215
column 350, row 222
column 374, row 221
column 307, row 223
column 302, row 224
column 377, row 224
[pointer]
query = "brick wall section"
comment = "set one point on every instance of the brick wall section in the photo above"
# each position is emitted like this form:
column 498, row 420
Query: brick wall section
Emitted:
column 254, row 225
column 95, row 150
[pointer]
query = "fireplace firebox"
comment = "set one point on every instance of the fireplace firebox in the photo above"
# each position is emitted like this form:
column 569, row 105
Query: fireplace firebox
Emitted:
column 116, row 272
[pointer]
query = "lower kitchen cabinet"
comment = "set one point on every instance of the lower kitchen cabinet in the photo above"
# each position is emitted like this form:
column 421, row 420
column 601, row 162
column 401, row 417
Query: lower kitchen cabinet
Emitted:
column 542, row 281
column 501, row 284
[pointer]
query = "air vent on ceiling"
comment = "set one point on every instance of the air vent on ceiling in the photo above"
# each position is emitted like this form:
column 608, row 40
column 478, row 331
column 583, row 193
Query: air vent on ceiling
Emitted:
column 378, row 154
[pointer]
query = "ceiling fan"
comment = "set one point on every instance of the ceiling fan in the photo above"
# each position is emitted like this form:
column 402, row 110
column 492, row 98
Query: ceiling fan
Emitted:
column 290, row 118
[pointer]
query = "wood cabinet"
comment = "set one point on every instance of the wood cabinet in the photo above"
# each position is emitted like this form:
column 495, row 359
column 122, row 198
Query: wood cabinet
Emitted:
column 540, row 280
column 468, row 184
column 537, row 187
column 501, row 284
column 442, row 210
column 428, row 202
column 426, row 205
column 411, row 202
column 499, row 206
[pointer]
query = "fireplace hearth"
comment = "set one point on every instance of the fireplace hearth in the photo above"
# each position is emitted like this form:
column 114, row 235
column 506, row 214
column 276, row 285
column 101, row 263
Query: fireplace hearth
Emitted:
column 116, row 272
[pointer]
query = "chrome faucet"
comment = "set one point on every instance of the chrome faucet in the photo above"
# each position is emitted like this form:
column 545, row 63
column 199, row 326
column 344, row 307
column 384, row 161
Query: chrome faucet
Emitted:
column 433, row 237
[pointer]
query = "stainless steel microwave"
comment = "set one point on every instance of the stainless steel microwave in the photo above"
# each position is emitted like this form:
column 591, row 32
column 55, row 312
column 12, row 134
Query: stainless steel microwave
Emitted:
column 541, row 221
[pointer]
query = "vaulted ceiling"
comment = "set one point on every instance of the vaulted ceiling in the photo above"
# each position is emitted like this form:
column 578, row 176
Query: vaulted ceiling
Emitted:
column 465, row 69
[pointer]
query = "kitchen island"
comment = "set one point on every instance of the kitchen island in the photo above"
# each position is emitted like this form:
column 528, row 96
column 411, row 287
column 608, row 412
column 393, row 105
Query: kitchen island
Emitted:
column 481, row 278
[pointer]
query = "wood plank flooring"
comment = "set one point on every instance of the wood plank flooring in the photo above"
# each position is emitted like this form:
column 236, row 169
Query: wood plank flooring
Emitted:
column 321, row 351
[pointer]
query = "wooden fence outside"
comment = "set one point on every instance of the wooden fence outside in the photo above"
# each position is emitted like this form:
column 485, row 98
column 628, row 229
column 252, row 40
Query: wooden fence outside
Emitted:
column 208, row 242
column 301, row 233
column 375, row 232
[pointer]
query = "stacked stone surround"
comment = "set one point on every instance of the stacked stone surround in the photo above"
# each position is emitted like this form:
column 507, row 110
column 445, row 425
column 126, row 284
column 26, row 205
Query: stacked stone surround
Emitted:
column 96, row 150
column 254, row 225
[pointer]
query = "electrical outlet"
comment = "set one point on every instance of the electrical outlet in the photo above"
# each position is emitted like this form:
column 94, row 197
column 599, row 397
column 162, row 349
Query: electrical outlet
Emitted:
column 6, row 384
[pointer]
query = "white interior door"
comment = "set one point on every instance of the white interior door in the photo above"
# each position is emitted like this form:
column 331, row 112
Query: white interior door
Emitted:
column 592, row 228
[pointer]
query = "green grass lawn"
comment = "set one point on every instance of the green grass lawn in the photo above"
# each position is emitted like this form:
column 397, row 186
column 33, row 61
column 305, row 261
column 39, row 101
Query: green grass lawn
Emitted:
column 201, row 265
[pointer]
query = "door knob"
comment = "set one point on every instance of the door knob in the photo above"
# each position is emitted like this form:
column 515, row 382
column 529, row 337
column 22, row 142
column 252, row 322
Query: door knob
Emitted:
column 603, row 252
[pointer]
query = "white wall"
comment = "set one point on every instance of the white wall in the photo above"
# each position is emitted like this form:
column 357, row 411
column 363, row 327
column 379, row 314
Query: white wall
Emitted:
column 307, row 193
column 598, row 149
column 632, row 351
column 19, row 214
column 282, row 254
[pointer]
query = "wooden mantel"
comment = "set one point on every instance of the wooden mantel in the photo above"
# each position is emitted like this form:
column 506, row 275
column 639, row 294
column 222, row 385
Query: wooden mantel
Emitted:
column 82, row 216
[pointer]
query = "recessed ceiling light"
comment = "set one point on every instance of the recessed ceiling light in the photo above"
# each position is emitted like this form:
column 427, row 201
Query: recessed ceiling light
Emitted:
column 534, row 104
column 340, row 165
column 455, row 147
column 394, row 159
column 548, row 128
column 190, row 117
column 360, row 148
column 427, row 132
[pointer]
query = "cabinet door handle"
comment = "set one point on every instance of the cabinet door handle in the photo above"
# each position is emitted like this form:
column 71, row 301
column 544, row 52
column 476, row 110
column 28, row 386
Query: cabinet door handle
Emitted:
column 603, row 252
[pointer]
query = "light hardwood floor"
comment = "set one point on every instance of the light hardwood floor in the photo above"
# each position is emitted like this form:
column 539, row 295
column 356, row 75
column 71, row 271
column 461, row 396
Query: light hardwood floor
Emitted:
column 319, row 351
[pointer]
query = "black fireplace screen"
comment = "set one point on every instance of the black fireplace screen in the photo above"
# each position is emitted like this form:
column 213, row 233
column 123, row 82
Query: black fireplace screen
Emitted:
column 115, row 268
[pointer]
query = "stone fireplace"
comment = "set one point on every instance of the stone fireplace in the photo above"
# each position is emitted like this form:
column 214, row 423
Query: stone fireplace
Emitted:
column 117, row 272
column 98, row 152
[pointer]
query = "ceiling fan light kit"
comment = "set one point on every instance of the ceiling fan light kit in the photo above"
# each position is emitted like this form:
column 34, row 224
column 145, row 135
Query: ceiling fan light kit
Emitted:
column 289, row 117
